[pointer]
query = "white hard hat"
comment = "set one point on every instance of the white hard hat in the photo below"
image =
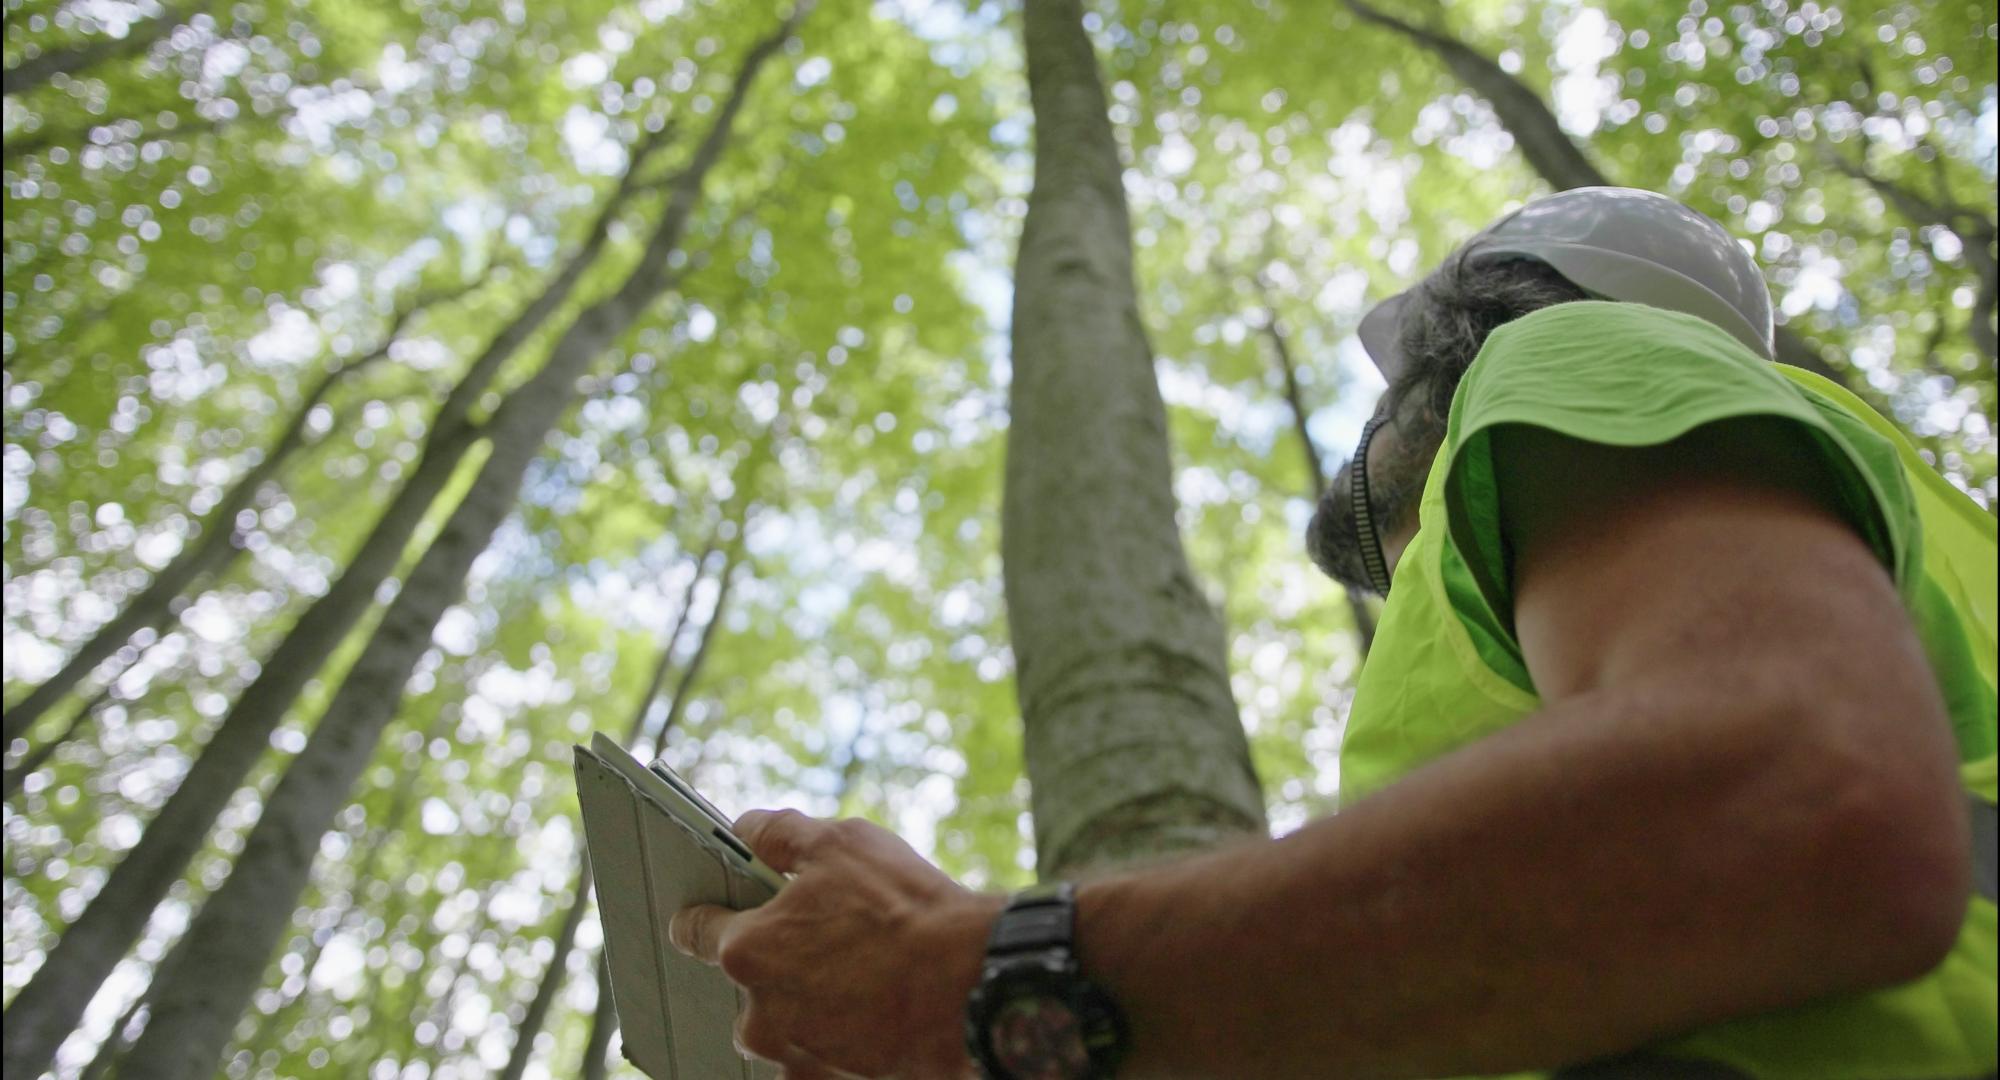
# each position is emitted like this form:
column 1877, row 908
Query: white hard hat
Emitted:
column 1617, row 244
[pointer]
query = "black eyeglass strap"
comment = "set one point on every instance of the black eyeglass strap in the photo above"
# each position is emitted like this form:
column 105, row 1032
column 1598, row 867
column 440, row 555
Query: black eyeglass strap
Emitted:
column 1364, row 516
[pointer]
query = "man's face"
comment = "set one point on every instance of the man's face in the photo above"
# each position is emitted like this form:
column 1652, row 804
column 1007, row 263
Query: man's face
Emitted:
column 1399, row 460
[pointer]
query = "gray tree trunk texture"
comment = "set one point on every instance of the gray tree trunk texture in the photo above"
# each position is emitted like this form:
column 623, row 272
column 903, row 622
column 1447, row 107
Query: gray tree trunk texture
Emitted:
column 35, row 73
column 49, row 1006
column 218, row 543
column 1133, row 743
column 222, row 955
column 1548, row 148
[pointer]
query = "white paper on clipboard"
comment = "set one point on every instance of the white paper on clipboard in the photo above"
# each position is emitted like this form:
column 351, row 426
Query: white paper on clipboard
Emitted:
column 677, row 1014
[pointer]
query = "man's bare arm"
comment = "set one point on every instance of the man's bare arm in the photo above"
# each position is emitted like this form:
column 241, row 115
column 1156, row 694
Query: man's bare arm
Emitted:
column 1740, row 795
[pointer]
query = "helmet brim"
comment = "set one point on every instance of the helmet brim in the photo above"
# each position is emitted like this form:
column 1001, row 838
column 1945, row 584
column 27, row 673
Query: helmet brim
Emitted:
column 1380, row 330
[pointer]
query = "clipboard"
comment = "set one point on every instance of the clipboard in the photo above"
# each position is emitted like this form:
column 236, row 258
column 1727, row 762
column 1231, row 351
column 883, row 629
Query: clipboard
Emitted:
column 657, row 846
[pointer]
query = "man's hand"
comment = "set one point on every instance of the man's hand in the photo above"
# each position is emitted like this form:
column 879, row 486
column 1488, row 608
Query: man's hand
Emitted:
column 860, row 966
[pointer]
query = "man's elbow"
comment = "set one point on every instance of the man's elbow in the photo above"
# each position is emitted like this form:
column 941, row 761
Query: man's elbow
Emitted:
column 1897, row 865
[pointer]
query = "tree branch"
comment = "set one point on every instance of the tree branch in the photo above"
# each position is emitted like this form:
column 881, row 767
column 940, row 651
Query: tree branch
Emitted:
column 1556, row 157
column 217, row 544
column 1548, row 148
column 34, row 73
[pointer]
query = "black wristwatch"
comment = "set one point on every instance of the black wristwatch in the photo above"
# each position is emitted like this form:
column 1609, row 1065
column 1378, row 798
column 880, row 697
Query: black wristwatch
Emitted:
column 1033, row 1015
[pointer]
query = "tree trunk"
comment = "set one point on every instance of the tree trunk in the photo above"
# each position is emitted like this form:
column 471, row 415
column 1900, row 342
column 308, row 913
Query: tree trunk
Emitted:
column 48, row 1007
column 1133, row 743
column 552, row 979
column 637, row 726
column 1549, row 149
column 375, row 838
column 538, row 1011
column 227, row 943
column 445, row 1005
column 1281, row 348
column 33, row 74
column 113, row 1048
column 34, row 759
column 603, row 1024
column 217, row 545
column 677, row 703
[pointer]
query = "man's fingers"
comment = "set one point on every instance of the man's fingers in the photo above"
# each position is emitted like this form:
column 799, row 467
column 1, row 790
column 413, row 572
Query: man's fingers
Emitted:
column 782, row 838
column 697, row 931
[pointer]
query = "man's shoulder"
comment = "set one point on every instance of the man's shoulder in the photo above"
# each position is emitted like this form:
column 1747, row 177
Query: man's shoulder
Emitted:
column 1597, row 330
column 1617, row 373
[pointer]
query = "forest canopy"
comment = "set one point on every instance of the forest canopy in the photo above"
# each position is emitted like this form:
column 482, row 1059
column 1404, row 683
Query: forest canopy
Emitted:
column 435, row 383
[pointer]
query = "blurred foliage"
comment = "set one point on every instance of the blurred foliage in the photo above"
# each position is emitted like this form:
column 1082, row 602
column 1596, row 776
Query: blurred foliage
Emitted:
column 195, row 230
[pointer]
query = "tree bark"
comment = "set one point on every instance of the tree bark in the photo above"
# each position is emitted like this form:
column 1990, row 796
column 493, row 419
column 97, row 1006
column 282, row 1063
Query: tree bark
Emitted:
column 35, row 73
column 1556, row 157
column 218, row 543
column 227, row 943
column 48, row 1007
column 1133, row 743
column 603, row 1024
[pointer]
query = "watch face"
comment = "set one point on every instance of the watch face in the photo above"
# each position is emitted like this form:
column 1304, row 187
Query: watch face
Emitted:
column 1038, row 1038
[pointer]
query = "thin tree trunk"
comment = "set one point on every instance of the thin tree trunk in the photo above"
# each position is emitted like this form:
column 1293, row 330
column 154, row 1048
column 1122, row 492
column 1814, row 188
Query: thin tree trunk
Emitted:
column 442, row 1008
column 48, row 1007
column 218, row 543
column 229, row 940
column 1549, row 149
column 552, row 979
column 603, row 1024
column 378, row 1020
column 530, row 1026
column 677, row 703
column 114, row 1045
column 375, row 838
column 637, row 726
column 34, row 73
column 1133, row 743
column 34, row 759
column 1281, row 348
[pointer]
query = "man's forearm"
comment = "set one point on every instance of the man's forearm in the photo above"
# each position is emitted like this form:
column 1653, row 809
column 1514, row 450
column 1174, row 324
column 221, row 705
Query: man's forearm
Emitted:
column 1609, row 871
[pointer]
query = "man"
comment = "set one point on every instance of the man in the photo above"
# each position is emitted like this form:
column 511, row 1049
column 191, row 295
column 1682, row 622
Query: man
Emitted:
column 1674, row 756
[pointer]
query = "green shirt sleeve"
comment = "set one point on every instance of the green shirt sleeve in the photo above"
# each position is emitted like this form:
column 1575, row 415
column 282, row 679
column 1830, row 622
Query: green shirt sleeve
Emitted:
column 1629, row 375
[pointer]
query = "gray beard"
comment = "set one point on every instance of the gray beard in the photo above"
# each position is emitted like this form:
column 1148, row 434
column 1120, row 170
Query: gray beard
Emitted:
column 1396, row 485
column 1444, row 325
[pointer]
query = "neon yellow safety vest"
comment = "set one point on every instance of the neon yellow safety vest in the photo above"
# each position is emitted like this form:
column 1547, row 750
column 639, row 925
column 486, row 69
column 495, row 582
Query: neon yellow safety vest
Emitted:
column 1445, row 670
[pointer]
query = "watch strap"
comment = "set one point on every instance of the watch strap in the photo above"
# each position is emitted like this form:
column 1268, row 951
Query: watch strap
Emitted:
column 1037, row 918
